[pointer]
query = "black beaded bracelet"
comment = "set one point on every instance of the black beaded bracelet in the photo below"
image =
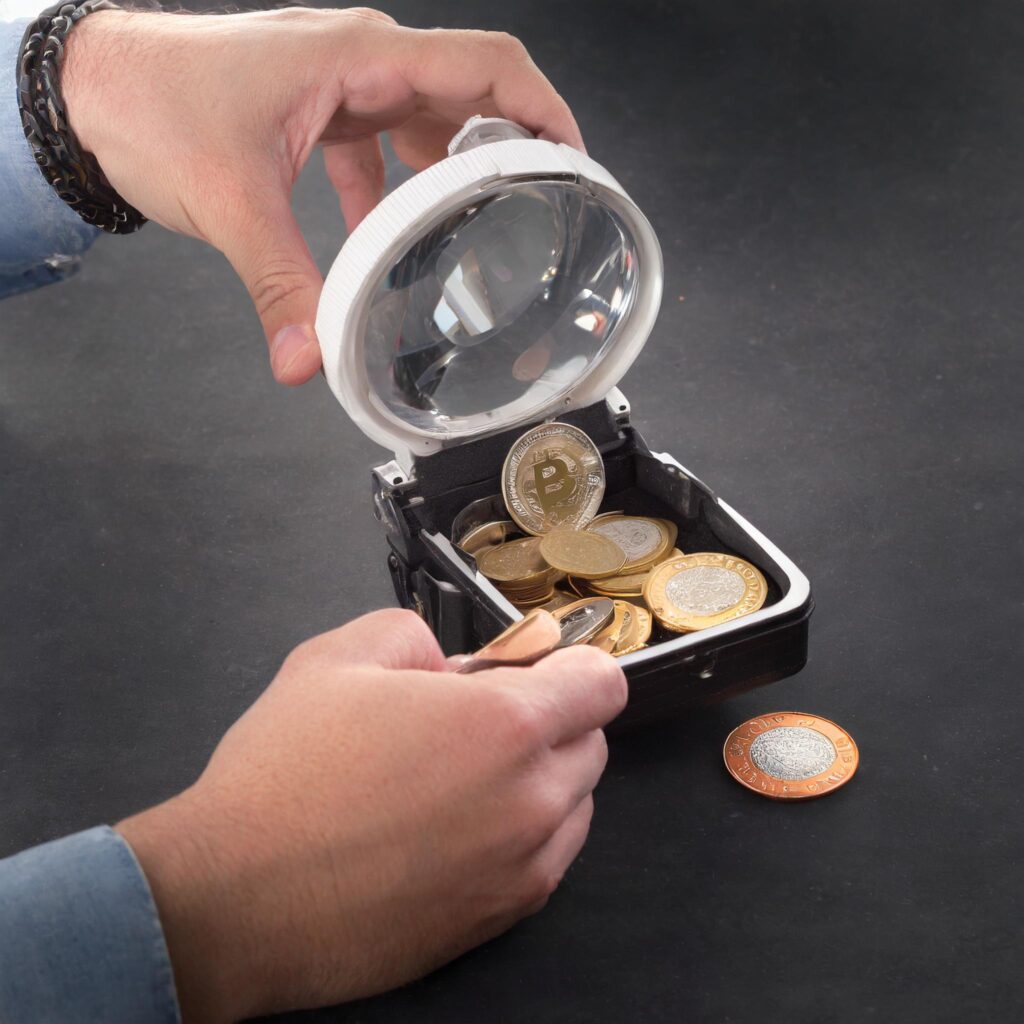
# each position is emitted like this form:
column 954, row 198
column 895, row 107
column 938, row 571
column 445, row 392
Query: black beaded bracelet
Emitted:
column 74, row 174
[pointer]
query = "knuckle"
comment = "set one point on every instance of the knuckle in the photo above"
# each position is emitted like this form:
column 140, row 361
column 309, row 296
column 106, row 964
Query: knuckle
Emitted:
column 370, row 13
column 541, row 883
column 507, row 43
column 599, row 748
column 605, row 672
column 520, row 719
column 275, row 284
column 304, row 654
column 408, row 636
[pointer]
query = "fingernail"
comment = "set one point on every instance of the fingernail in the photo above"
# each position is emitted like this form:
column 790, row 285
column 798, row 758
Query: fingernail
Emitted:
column 287, row 344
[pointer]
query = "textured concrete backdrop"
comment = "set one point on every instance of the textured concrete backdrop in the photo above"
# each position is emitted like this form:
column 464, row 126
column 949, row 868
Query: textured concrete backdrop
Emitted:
column 837, row 190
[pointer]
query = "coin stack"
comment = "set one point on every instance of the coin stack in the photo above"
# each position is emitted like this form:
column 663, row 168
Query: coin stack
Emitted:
column 557, row 552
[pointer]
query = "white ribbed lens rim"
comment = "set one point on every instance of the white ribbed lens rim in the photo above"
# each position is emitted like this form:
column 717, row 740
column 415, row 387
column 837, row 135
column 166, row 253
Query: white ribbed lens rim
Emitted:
column 402, row 218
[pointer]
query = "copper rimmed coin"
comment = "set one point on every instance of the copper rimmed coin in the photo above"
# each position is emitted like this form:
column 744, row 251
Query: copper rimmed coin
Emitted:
column 701, row 590
column 790, row 756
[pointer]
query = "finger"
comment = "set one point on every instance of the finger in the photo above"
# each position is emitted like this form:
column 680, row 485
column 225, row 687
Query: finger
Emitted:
column 423, row 139
column 552, row 860
column 579, row 764
column 576, row 690
column 469, row 67
column 390, row 638
column 271, row 257
column 356, row 170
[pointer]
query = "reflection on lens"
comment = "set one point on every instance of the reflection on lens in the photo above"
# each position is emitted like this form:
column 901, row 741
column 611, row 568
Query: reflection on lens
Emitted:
column 500, row 308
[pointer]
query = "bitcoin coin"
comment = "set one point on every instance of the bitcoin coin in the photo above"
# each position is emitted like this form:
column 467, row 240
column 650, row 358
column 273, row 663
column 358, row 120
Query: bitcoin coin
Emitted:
column 644, row 541
column 702, row 590
column 552, row 476
column 585, row 555
column 790, row 756
column 518, row 560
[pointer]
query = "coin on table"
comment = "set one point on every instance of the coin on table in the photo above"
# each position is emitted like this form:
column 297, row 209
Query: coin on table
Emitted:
column 487, row 535
column 702, row 590
column 585, row 555
column 553, row 476
column 645, row 541
column 517, row 560
column 790, row 756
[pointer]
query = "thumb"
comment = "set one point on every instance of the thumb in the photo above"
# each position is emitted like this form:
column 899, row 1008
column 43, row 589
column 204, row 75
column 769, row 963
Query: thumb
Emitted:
column 271, row 257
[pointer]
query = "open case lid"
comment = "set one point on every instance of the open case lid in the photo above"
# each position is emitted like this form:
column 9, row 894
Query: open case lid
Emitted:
column 508, row 283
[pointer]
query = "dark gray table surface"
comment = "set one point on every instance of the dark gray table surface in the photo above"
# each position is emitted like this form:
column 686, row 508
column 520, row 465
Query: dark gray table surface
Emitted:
column 837, row 191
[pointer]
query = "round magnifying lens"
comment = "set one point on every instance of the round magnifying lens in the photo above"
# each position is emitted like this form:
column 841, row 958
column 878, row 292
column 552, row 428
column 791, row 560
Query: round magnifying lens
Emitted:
column 494, row 286
column 501, row 307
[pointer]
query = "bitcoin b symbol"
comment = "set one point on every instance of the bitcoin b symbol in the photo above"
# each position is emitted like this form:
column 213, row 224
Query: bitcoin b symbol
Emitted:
column 553, row 481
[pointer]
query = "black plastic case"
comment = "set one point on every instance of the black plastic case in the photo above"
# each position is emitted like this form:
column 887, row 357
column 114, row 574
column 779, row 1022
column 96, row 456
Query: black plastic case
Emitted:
column 674, row 671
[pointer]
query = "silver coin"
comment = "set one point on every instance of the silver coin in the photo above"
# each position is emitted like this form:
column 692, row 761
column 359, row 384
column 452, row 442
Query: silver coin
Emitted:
column 792, row 753
column 705, row 590
column 639, row 538
column 584, row 623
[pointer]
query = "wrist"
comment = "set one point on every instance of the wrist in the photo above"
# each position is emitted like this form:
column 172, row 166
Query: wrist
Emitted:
column 193, row 891
column 94, row 59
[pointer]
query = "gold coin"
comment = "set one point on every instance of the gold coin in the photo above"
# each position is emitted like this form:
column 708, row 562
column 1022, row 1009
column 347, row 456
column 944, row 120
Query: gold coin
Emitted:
column 534, row 602
column 517, row 560
column 487, row 535
column 553, row 476
column 702, row 590
column 638, row 632
column 644, row 541
column 790, row 756
column 626, row 585
column 585, row 555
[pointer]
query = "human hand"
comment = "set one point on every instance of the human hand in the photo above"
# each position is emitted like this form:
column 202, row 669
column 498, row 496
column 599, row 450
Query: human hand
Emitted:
column 203, row 123
column 373, row 816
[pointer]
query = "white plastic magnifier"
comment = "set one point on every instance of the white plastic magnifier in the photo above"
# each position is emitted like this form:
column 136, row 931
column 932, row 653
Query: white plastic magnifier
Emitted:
column 513, row 281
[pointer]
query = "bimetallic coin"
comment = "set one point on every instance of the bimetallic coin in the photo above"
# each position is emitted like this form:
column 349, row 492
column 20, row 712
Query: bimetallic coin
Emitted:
column 702, row 590
column 517, row 560
column 645, row 541
column 585, row 555
column 553, row 476
column 790, row 756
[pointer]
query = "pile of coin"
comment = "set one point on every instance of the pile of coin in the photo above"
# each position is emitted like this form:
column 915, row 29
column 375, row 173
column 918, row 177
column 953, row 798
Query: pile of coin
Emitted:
column 556, row 550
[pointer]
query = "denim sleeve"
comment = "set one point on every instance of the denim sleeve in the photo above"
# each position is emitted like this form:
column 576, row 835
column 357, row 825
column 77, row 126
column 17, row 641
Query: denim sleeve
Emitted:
column 80, row 939
column 41, row 237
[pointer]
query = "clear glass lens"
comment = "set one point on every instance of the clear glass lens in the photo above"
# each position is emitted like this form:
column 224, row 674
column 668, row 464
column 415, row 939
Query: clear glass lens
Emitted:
column 500, row 308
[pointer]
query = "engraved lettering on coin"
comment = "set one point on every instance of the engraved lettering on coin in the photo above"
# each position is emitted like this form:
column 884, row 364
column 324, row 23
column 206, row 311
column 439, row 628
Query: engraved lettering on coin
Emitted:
column 636, row 537
column 792, row 753
column 705, row 590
